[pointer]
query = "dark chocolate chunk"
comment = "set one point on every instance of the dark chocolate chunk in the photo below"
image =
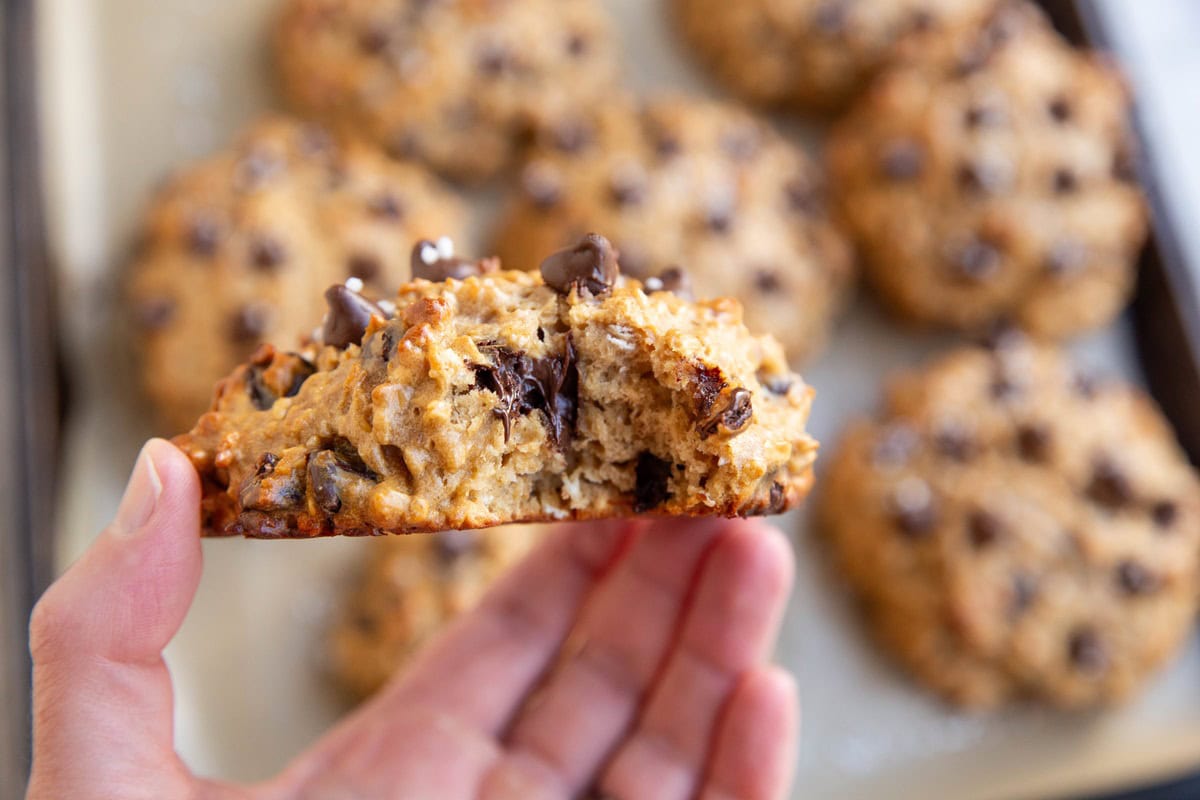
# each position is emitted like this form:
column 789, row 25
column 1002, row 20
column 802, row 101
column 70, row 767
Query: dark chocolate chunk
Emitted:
column 589, row 267
column 523, row 384
column 203, row 236
column 1065, row 181
column 155, row 313
column 577, row 45
column 651, row 488
column 984, row 528
column 767, row 281
column 1109, row 487
column 1033, row 442
column 386, row 205
column 249, row 323
column 895, row 446
column 331, row 473
column 1060, row 110
column 261, row 395
column 1135, row 579
column 429, row 263
column 673, row 280
column 264, row 490
column 731, row 416
column 914, row 511
column 902, row 160
column 302, row 371
column 348, row 317
column 1165, row 513
column 1086, row 651
column 267, row 253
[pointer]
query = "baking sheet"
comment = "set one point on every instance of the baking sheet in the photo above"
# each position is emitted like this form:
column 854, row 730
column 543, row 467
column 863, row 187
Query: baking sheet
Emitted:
column 133, row 87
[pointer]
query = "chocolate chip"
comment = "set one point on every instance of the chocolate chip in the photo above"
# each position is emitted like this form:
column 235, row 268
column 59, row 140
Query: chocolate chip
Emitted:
column 1109, row 488
column 1164, row 513
column 767, row 281
column 902, row 160
column 363, row 266
column 203, row 236
column 984, row 529
column 571, row 136
column 778, row 385
column 267, row 253
column 577, row 45
column 651, row 482
column 673, row 280
column 1060, row 110
column 348, row 317
column 541, row 184
column 373, row 39
column 1086, row 651
column 429, row 262
column 1065, row 181
column 1067, row 257
column 666, row 145
column 731, row 417
column 332, row 475
column 589, row 267
column 265, row 490
column 831, row 17
column 450, row 546
column 261, row 396
column 155, row 313
column 522, row 384
column 953, row 440
column 1136, row 580
column 1033, row 442
column 984, row 177
column 913, row 509
column 719, row 219
column 249, row 323
column 1024, row 592
column 802, row 196
column 895, row 446
column 386, row 205
column 627, row 187
column 976, row 261
column 303, row 369
column 984, row 116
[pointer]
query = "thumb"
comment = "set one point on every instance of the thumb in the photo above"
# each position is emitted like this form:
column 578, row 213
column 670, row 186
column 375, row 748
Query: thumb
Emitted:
column 102, row 695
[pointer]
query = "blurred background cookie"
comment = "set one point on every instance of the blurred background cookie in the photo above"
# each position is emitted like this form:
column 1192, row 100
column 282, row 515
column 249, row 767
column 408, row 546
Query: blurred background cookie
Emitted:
column 409, row 589
column 694, row 184
column 238, row 249
column 458, row 84
column 1018, row 529
column 813, row 54
column 994, row 182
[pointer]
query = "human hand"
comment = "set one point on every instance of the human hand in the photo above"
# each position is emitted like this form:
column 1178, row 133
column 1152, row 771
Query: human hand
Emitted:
column 620, row 660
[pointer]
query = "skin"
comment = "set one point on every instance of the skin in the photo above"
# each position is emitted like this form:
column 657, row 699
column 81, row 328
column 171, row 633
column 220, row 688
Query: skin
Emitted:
column 628, row 659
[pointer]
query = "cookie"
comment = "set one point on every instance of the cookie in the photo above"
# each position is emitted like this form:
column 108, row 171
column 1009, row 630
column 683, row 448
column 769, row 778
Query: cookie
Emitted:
column 458, row 84
column 236, row 250
column 996, row 184
column 408, row 590
column 814, row 54
column 1018, row 529
column 694, row 184
column 505, row 397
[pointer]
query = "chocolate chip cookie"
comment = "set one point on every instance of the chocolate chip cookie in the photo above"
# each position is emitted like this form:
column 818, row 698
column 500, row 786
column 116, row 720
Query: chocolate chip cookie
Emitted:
column 995, row 182
column 815, row 54
column 409, row 589
column 697, row 185
column 235, row 251
column 1018, row 529
column 505, row 397
column 458, row 84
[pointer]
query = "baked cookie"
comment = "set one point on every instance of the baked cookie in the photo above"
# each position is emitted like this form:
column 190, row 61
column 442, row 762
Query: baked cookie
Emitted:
column 693, row 184
column 996, row 184
column 459, row 84
column 409, row 589
column 500, row 397
column 815, row 54
column 1018, row 529
column 236, row 250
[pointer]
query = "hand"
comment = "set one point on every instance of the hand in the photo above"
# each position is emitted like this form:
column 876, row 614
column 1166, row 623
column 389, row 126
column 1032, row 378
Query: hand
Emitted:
column 625, row 660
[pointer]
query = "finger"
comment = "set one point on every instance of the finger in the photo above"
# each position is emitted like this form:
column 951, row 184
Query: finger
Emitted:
column 480, row 670
column 728, row 628
column 590, row 699
column 756, row 742
column 102, row 694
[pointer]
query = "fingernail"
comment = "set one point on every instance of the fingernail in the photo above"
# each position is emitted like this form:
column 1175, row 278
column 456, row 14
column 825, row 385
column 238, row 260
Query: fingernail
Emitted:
column 141, row 495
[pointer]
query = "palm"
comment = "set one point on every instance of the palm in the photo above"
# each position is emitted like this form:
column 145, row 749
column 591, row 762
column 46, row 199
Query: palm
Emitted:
column 622, row 659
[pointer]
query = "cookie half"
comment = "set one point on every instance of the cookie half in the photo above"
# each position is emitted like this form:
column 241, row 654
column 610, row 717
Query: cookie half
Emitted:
column 505, row 397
